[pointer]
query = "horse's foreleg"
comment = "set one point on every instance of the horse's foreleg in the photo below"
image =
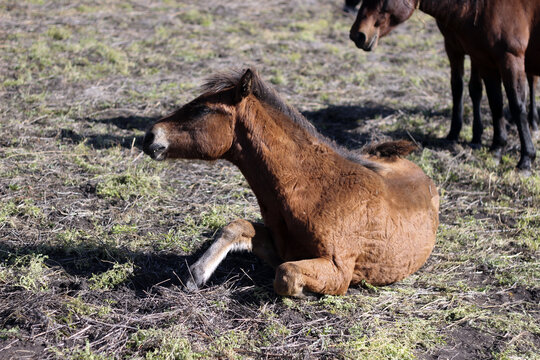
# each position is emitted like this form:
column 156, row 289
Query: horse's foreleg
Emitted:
column 475, row 91
column 237, row 236
column 320, row 276
column 533, row 111
column 515, row 84
column 456, row 59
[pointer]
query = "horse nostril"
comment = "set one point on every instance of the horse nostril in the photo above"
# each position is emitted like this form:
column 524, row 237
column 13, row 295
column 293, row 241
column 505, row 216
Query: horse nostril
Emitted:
column 155, row 150
column 359, row 39
column 157, row 147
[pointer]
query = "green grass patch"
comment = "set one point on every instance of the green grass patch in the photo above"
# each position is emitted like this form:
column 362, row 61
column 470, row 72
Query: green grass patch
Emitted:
column 111, row 278
column 164, row 344
column 393, row 340
column 130, row 183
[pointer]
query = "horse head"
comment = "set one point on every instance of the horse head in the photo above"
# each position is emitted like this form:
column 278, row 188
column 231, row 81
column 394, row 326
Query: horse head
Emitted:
column 201, row 129
column 376, row 18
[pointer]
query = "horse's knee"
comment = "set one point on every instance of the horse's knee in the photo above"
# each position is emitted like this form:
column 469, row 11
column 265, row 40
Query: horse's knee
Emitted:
column 238, row 227
column 288, row 280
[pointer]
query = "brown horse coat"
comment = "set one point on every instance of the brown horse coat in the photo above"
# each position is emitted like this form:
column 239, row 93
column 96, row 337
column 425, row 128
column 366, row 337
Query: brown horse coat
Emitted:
column 330, row 219
column 502, row 37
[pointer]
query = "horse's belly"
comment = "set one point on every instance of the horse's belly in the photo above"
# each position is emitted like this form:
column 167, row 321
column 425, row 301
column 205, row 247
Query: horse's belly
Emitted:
column 404, row 248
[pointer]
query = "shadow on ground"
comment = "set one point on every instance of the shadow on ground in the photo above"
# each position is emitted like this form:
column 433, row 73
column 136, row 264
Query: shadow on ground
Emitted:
column 349, row 125
column 165, row 269
column 105, row 141
column 127, row 122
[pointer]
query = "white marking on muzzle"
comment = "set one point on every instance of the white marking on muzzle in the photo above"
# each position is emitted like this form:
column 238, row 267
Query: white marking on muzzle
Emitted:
column 160, row 137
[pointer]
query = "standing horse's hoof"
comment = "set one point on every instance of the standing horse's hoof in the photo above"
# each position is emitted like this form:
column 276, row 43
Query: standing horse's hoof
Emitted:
column 534, row 126
column 524, row 173
column 497, row 151
column 524, row 166
column 452, row 136
column 475, row 145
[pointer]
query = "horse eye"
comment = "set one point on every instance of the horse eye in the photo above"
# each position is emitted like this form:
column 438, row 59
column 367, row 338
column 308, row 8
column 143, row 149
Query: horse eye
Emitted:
column 199, row 110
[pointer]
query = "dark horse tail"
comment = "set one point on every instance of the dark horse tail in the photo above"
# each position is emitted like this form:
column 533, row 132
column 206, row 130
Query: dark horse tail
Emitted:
column 390, row 149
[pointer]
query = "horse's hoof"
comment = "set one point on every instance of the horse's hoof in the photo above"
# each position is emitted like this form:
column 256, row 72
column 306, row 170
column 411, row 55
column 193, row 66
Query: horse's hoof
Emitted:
column 452, row 137
column 525, row 173
column 496, row 151
column 476, row 145
column 190, row 286
column 524, row 166
column 534, row 127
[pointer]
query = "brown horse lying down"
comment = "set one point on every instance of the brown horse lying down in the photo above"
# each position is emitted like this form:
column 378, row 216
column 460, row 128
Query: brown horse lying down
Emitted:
column 330, row 219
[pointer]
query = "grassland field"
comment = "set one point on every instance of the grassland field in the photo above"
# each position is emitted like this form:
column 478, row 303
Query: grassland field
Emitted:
column 94, row 237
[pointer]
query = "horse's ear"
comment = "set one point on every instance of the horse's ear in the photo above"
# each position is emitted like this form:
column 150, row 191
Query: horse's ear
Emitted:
column 245, row 86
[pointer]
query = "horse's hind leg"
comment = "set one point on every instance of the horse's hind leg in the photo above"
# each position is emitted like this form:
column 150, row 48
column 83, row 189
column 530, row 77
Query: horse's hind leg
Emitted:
column 320, row 276
column 512, row 68
column 533, row 111
column 495, row 98
column 238, row 235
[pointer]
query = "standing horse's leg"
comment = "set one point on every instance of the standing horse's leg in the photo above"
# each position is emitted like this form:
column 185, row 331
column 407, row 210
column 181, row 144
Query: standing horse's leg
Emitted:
column 533, row 111
column 238, row 235
column 475, row 91
column 320, row 275
column 495, row 98
column 456, row 59
column 514, row 80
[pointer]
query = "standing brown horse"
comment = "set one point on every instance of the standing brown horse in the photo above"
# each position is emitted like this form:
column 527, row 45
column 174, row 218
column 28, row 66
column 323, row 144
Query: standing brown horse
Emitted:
column 330, row 219
column 502, row 37
column 492, row 80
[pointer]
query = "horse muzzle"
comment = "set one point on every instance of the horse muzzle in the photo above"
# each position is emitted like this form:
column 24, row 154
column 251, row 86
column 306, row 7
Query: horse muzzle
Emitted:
column 153, row 148
column 362, row 42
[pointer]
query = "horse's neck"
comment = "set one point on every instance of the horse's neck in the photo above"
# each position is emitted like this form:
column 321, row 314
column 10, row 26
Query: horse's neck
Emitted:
column 278, row 156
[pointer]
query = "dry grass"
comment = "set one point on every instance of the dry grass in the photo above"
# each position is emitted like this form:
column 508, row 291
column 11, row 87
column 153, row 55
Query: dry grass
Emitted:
column 94, row 237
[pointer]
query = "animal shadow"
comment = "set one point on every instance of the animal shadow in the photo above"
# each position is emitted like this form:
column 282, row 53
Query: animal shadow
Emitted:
column 352, row 126
column 112, row 139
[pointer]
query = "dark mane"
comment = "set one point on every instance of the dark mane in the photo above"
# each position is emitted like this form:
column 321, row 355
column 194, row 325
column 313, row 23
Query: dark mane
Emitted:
column 390, row 149
column 266, row 94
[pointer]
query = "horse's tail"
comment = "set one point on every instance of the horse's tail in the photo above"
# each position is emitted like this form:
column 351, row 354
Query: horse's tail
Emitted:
column 390, row 149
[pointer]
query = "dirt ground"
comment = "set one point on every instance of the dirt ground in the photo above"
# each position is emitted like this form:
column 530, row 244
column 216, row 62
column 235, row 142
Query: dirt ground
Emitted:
column 95, row 237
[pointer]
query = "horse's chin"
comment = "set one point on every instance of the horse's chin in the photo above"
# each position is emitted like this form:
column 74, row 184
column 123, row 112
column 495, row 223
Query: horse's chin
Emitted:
column 372, row 43
column 368, row 45
column 161, row 157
